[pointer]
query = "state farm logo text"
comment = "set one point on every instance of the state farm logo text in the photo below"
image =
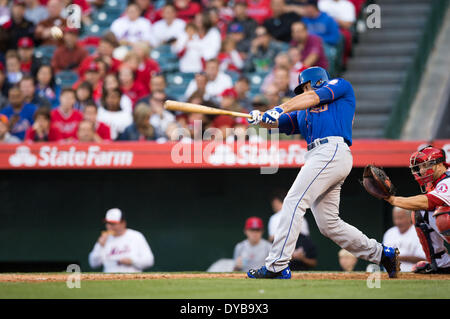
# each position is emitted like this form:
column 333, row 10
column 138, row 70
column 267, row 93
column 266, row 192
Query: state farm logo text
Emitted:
column 51, row 156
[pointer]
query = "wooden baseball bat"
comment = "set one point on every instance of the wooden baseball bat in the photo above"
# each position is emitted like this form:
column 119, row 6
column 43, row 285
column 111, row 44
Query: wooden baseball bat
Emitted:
column 197, row 108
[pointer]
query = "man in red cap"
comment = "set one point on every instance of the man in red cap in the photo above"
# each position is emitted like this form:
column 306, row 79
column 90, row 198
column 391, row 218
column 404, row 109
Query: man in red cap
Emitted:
column 253, row 251
column 28, row 63
column 70, row 54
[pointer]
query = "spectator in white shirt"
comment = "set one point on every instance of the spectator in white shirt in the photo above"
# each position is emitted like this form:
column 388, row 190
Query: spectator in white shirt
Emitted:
column 160, row 118
column 120, row 249
column 189, row 49
column 217, row 82
column 112, row 114
column 209, row 36
column 132, row 27
column 343, row 11
column 403, row 236
column 276, row 202
column 169, row 27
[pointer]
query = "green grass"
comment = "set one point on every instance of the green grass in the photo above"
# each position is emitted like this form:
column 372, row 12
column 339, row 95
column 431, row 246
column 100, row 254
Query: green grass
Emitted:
column 229, row 288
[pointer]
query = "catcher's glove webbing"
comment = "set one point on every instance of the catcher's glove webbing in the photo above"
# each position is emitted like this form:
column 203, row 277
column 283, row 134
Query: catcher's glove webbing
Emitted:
column 377, row 183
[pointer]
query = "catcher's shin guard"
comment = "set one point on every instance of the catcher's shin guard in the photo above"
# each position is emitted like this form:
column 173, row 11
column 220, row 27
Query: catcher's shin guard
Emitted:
column 423, row 232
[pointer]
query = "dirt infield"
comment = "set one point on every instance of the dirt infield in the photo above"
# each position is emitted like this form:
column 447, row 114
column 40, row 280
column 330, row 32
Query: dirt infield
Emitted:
column 149, row 276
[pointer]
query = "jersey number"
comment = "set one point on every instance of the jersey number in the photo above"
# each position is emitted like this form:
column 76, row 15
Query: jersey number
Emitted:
column 320, row 108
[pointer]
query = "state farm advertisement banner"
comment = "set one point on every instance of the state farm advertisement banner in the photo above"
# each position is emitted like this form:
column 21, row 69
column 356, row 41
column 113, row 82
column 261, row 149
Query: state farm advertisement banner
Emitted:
column 151, row 155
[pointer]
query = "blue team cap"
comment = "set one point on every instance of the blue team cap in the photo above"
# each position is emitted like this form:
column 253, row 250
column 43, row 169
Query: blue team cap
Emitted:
column 316, row 75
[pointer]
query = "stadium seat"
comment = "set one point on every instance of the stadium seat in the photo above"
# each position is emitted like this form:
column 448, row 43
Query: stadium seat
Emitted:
column 44, row 53
column 95, row 30
column 234, row 75
column 66, row 78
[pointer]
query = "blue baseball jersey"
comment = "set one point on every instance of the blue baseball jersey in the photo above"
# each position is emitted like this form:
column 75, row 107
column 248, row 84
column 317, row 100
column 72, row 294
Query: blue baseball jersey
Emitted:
column 333, row 116
column 24, row 121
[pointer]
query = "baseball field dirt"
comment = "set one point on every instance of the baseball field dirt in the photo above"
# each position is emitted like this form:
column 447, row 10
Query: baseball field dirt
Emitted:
column 223, row 285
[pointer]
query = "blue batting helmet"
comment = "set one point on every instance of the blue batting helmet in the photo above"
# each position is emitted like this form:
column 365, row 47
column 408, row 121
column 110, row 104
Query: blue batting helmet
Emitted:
column 316, row 75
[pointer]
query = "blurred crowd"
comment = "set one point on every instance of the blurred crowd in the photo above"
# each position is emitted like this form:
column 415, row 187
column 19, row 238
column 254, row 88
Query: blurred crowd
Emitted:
column 111, row 85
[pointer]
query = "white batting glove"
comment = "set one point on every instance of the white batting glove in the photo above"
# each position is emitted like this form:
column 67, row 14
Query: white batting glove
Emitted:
column 271, row 116
column 256, row 117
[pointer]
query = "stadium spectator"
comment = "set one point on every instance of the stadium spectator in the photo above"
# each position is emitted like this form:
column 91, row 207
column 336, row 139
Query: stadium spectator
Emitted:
column 140, row 129
column 281, row 82
column 42, row 130
column 217, row 81
column 129, row 86
column 84, row 94
column 346, row 260
column 13, row 72
column 131, row 27
column 259, row 10
column 5, row 12
column 262, row 52
column 272, row 95
column 225, row 12
column 276, row 202
column 158, row 83
column 261, row 103
column 46, row 87
column 169, row 27
column 229, row 58
column 148, row 10
column 3, row 87
column 112, row 114
column 35, row 12
column 43, row 33
column 20, row 114
column 209, row 36
column 229, row 100
column 145, row 66
column 111, row 82
column 236, row 32
column 403, row 235
column 93, row 76
column 253, row 251
column 18, row 26
column 343, row 11
column 160, row 118
column 187, row 9
column 70, row 54
column 311, row 49
column 320, row 23
column 188, row 48
column 217, row 22
column 241, row 18
column 30, row 96
column 5, row 136
column 65, row 118
column 105, row 50
column 86, row 132
column 101, row 130
column 120, row 249
column 198, row 87
column 279, row 25
column 242, row 87
column 304, row 256
column 28, row 63
column 282, row 60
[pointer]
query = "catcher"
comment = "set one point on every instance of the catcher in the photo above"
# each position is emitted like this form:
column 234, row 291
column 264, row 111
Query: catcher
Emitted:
column 431, row 211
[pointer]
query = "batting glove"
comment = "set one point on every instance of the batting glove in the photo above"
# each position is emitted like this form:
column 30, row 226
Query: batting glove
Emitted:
column 256, row 117
column 271, row 116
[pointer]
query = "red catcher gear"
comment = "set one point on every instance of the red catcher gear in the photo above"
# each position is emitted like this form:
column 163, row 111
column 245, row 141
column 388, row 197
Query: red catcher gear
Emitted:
column 442, row 215
column 421, row 164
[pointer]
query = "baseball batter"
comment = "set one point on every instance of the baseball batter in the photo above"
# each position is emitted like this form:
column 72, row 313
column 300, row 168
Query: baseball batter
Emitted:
column 431, row 215
column 323, row 113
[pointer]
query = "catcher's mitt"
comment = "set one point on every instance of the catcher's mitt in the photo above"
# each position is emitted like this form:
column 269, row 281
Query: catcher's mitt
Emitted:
column 377, row 183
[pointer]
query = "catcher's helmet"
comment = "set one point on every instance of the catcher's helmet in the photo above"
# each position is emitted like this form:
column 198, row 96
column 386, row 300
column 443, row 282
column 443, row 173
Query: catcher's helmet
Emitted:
column 316, row 75
column 421, row 164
